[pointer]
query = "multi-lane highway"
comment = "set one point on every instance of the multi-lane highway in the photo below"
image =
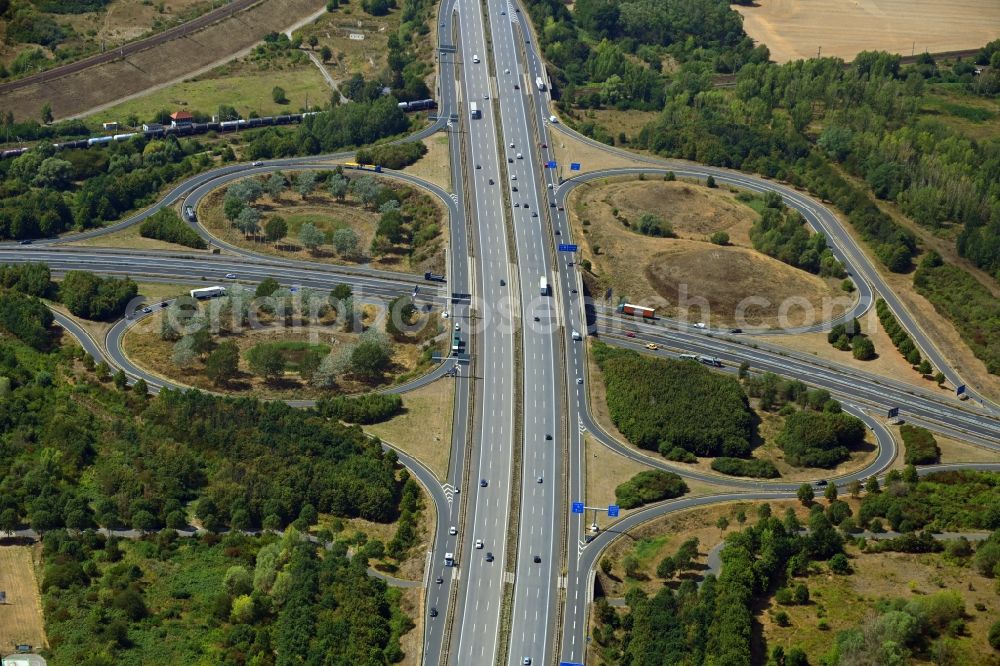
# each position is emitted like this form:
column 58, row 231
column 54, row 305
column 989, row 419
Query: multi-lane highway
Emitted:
column 522, row 405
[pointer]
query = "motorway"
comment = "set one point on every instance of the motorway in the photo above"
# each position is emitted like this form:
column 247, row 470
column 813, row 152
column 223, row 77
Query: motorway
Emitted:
column 521, row 407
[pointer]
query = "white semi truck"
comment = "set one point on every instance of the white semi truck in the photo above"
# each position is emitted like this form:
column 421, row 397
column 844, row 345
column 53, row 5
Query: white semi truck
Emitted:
column 473, row 110
column 543, row 285
column 540, row 83
column 208, row 292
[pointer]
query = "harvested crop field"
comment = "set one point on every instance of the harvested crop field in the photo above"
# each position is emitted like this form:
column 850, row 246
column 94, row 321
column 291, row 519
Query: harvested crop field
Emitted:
column 714, row 281
column 158, row 65
column 21, row 621
column 794, row 29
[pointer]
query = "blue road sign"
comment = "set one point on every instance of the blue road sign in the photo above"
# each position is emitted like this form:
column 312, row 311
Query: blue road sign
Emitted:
column 574, row 166
column 566, row 247
column 613, row 510
column 893, row 412
column 577, row 507
column 551, row 164
column 571, row 663
column 960, row 390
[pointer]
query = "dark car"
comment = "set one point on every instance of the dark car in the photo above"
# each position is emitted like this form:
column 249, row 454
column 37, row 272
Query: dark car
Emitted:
column 821, row 482
column 27, row 241
column 434, row 612
column 630, row 334
column 489, row 557
column 736, row 330
column 537, row 559
column 548, row 437
column 483, row 483
column 439, row 580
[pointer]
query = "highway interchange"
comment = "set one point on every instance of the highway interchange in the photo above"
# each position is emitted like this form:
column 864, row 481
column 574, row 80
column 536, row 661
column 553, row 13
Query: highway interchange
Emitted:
column 521, row 407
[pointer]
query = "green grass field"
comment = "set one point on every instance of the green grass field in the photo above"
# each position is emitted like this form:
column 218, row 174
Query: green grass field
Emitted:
column 976, row 117
column 240, row 86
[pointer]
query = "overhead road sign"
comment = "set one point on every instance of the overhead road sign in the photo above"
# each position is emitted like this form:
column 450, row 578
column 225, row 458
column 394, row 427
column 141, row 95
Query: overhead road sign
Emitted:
column 577, row 507
column 893, row 412
column 960, row 390
column 574, row 166
column 567, row 247
column 551, row 164
column 613, row 510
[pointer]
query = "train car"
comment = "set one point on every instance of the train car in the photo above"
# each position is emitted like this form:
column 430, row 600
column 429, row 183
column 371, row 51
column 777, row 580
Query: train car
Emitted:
column 227, row 125
column 93, row 141
column 124, row 137
column 636, row 310
column 307, row 114
column 254, row 122
column 213, row 126
column 281, row 120
column 13, row 152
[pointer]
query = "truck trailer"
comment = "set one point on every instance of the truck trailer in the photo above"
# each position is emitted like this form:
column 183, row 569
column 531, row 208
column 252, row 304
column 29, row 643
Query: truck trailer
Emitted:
column 543, row 285
column 540, row 83
column 636, row 310
column 208, row 292
column 474, row 110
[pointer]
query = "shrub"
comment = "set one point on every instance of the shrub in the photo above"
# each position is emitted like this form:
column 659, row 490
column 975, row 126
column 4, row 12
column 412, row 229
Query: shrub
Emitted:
column 719, row 238
column 761, row 469
column 364, row 409
column 839, row 564
column 649, row 486
column 393, row 155
column 920, row 445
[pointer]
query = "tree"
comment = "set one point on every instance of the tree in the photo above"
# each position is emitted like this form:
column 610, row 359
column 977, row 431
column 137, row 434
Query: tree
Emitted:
column 144, row 521
column 121, row 380
column 831, row 492
column 325, row 53
column 939, row 378
column 925, row 367
column 237, row 581
column 840, row 565
column 338, row 185
column 666, row 568
column 267, row 287
column 53, row 173
column 305, row 183
column 46, row 113
column 722, row 523
column 720, row 238
column 854, row 487
column 345, row 241
column 310, row 236
column 862, row 348
column 370, row 360
column 366, row 189
column 871, row 485
column 805, row 494
column 801, row 594
column 222, row 364
column 313, row 41
column 606, row 565
column 278, row 95
column 744, row 370
column 243, row 609
column 994, row 635
column 9, row 521
column 341, row 292
column 248, row 221
column 275, row 229
column 275, row 185
column 266, row 361
column 710, row 181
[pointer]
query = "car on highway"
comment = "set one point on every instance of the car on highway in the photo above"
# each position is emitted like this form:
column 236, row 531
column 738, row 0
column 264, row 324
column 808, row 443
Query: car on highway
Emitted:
column 527, row 660
column 511, row 144
column 652, row 345
column 821, row 482
column 543, row 145
column 534, row 214
column 630, row 334
column 520, row 156
column 479, row 544
column 506, row 71
column 479, row 166
column 475, row 58
column 699, row 324
column 736, row 330
column 147, row 309
column 458, row 327
column 434, row 612
column 560, row 208
column 26, row 241
column 445, row 315
column 453, row 530
column 489, row 556
column 491, row 181
column 503, row 283
column 579, row 380
column 553, row 120
column 230, row 276
column 537, row 559
column 483, row 483
column 513, row 176
column 517, row 204
column 526, row 204
column 513, row 188
column 573, row 291
column 548, row 438
column 517, row 87
column 257, row 163
column 439, row 580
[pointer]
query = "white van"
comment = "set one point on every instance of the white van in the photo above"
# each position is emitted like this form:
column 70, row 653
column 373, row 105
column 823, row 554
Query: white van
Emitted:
column 475, row 58
column 577, row 336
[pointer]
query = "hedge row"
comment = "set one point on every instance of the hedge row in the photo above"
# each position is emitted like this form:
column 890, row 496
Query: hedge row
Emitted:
column 760, row 469
column 921, row 447
column 898, row 335
column 364, row 409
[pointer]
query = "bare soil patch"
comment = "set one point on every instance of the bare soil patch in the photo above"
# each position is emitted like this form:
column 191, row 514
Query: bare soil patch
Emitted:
column 21, row 620
column 435, row 166
column 96, row 86
column 424, row 429
column 794, row 29
column 688, row 276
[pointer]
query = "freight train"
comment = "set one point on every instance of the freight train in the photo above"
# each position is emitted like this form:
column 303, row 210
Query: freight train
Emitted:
column 183, row 129
column 417, row 105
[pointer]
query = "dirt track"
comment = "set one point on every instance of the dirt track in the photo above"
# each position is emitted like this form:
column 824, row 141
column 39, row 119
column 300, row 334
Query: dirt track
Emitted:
column 149, row 66
column 21, row 617
column 794, row 29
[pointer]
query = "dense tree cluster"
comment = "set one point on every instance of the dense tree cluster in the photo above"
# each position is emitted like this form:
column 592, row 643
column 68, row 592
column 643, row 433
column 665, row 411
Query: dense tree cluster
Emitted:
column 939, row 501
column 649, row 486
column 364, row 409
column 965, row 302
column 781, row 233
column 166, row 225
column 713, row 623
column 25, row 317
column 271, row 600
column 393, row 155
column 91, row 297
column 660, row 404
column 920, row 446
column 774, row 392
column 819, row 439
column 33, row 279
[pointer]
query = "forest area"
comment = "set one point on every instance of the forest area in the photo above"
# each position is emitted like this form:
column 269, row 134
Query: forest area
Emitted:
column 817, row 124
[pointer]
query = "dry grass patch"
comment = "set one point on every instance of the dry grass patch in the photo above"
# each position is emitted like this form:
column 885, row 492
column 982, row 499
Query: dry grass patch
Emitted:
column 669, row 272
column 423, row 430
column 792, row 29
column 565, row 149
column 435, row 165
column 130, row 238
column 411, row 602
column 328, row 214
column 143, row 345
column 21, row 620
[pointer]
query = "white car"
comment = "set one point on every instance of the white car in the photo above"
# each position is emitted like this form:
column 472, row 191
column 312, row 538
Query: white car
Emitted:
column 520, row 156
column 453, row 530
column 458, row 327
column 506, row 71
column 700, row 324
column 445, row 315
column 511, row 144
column 230, row 276
column 479, row 544
column 553, row 120
column 257, row 163
column 513, row 176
